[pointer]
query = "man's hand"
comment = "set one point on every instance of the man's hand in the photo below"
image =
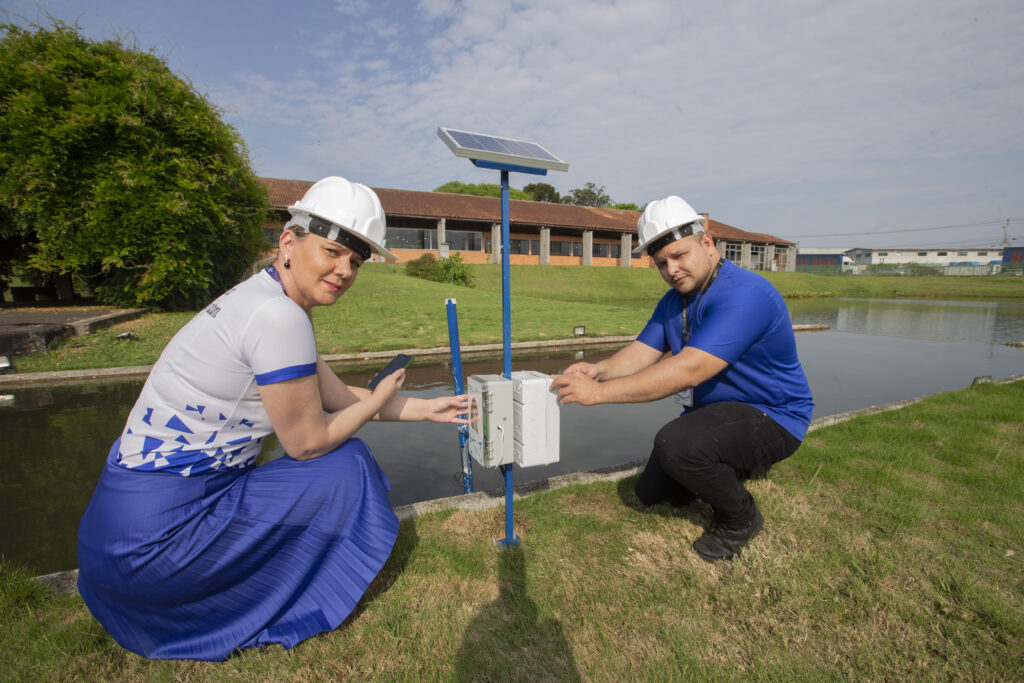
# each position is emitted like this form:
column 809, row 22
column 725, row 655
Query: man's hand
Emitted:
column 577, row 387
column 589, row 369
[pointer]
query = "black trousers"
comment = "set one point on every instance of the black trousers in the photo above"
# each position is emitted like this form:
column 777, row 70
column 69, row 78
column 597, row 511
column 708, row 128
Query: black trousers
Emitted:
column 708, row 453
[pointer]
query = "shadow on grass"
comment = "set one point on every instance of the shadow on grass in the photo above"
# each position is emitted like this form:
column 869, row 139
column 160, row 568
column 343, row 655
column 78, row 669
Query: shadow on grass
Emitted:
column 508, row 640
column 404, row 546
column 697, row 511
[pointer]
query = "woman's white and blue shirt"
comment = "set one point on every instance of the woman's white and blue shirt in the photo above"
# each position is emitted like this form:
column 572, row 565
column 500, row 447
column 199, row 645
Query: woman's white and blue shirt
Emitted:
column 200, row 408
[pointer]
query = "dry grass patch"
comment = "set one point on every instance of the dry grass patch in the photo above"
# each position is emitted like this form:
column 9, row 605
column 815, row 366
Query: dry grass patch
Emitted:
column 930, row 481
column 603, row 506
column 1011, row 429
column 651, row 552
column 473, row 527
column 625, row 646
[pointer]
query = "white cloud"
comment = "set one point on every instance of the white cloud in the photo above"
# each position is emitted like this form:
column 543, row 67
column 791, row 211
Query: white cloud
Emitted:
column 767, row 115
column 647, row 98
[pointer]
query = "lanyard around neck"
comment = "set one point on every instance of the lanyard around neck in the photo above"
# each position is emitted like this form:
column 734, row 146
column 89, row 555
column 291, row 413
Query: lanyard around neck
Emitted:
column 700, row 296
column 272, row 272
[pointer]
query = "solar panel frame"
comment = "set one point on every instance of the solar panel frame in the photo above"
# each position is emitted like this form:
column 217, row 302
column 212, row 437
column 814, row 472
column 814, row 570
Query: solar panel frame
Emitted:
column 479, row 146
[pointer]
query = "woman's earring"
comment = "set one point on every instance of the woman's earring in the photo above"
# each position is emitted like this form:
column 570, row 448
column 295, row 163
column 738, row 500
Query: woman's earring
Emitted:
column 287, row 263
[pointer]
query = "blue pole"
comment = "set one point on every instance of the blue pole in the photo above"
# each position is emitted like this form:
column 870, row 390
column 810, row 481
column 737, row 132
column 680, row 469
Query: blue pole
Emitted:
column 506, row 303
column 506, row 307
column 510, row 532
column 456, row 351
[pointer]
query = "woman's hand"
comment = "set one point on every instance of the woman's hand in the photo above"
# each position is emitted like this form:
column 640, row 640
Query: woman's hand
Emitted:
column 388, row 387
column 448, row 409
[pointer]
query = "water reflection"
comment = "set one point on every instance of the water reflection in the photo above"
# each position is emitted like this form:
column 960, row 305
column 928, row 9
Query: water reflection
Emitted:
column 55, row 439
column 993, row 322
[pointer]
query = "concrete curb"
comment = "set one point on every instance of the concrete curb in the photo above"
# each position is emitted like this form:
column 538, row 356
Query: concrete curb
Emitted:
column 142, row 371
column 75, row 376
column 99, row 322
column 66, row 582
column 29, row 337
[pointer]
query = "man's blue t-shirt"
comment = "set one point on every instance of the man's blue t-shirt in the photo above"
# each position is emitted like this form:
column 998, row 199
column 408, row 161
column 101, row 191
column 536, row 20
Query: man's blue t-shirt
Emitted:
column 743, row 320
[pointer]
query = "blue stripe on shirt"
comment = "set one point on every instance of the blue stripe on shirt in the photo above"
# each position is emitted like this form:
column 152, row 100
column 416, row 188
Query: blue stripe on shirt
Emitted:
column 281, row 375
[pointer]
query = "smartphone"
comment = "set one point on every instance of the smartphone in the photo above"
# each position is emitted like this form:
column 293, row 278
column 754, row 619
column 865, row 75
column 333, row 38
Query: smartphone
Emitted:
column 397, row 363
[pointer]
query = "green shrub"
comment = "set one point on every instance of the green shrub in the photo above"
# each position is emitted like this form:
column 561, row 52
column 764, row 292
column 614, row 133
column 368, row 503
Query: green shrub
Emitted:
column 422, row 267
column 450, row 269
column 453, row 269
column 119, row 172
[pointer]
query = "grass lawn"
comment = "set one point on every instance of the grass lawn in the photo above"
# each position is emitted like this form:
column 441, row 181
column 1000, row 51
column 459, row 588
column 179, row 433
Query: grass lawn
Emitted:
column 386, row 310
column 892, row 550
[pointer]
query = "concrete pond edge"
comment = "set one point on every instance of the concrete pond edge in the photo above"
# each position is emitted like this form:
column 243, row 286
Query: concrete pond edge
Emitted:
column 131, row 372
column 65, row 582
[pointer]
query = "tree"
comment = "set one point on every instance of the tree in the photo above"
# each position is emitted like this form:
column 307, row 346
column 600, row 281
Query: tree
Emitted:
column 589, row 195
column 116, row 170
column 626, row 206
column 480, row 190
column 542, row 192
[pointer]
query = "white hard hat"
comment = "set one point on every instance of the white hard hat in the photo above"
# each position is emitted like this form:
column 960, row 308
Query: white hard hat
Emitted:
column 345, row 212
column 664, row 221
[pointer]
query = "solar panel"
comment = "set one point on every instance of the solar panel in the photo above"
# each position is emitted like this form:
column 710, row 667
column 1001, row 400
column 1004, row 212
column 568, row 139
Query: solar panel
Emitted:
column 500, row 150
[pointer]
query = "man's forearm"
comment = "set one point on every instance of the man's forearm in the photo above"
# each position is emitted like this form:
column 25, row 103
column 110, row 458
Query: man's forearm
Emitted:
column 627, row 361
column 669, row 376
column 640, row 387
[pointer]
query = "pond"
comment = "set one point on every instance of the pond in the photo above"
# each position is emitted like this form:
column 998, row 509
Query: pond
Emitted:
column 875, row 352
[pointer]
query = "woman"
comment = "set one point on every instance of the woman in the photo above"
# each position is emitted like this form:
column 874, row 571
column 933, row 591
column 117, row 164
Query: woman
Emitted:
column 186, row 550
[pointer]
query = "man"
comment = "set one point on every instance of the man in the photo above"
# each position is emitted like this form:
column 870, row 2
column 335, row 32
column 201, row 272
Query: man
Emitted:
column 733, row 365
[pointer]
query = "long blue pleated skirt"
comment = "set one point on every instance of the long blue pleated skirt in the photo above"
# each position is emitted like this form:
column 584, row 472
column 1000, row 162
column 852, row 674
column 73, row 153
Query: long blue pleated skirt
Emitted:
column 199, row 567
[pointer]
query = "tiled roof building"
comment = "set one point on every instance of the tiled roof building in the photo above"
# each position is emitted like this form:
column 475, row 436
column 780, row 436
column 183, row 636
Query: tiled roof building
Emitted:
column 540, row 232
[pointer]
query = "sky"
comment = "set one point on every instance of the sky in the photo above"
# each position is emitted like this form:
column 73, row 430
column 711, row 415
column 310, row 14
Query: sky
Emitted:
column 871, row 123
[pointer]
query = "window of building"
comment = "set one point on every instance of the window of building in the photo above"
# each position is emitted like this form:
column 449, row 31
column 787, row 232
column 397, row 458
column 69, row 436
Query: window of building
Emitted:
column 883, row 253
column 922, row 253
column 518, row 246
column 409, row 238
column 982, row 253
column 459, row 240
column 941, row 253
column 734, row 252
column 534, row 246
column 757, row 257
column 961, row 253
column 605, row 250
column 566, row 248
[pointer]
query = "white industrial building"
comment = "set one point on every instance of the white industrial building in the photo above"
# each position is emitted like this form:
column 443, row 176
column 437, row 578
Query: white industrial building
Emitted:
column 938, row 257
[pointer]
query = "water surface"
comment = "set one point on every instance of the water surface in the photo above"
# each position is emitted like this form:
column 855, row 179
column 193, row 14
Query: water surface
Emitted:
column 876, row 352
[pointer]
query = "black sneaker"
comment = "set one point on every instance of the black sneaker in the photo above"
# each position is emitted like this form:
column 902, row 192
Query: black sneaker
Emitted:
column 720, row 542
